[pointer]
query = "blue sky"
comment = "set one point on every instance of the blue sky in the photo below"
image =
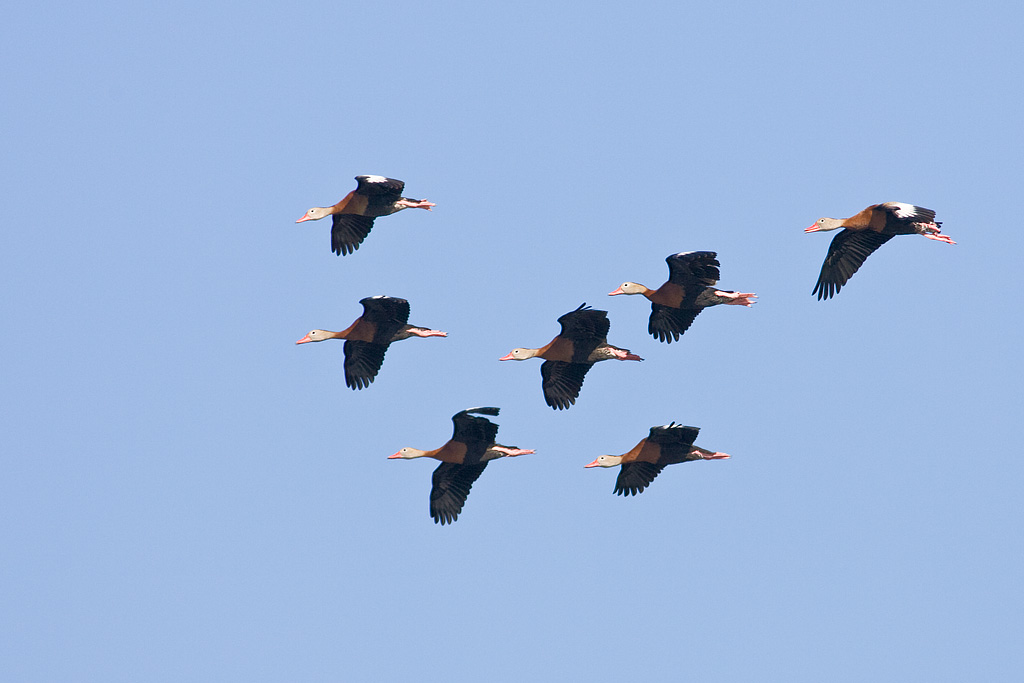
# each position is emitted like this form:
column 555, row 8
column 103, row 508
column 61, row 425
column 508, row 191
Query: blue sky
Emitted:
column 187, row 495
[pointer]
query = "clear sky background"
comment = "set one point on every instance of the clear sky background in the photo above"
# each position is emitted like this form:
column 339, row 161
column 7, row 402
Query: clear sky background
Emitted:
column 188, row 496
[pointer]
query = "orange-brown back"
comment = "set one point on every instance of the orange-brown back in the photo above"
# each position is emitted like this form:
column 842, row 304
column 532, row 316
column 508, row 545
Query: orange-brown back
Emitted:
column 360, row 330
column 870, row 218
column 643, row 452
column 453, row 452
column 558, row 348
column 669, row 294
column 352, row 203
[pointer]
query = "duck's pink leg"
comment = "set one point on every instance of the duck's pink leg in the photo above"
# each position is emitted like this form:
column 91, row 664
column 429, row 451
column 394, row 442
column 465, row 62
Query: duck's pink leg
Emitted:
column 510, row 452
column 709, row 455
column 424, row 332
column 415, row 204
column 717, row 456
column 933, row 232
column 737, row 298
column 623, row 354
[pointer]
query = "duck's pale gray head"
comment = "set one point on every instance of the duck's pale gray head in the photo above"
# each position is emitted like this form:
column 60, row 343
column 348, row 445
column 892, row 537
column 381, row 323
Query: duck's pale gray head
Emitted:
column 314, row 214
column 823, row 224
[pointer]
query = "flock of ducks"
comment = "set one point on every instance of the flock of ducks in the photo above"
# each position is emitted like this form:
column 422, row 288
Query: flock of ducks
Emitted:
column 582, row 341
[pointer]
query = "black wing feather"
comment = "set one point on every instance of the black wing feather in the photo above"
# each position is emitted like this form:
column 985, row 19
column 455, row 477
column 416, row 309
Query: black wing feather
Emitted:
column 388, row 313
column 348, row 232
column 389, row 187
column 362, row 362
column 482, row 410
column 920, row 215
column 587, row 328
column 478, row 433
column 635, row 477
column 562, row 382
column 675, row 442
column 585, row 323
column 667, row 323
column 693, row 268
column 451, row 485
column 846, row 254
column 673, row 434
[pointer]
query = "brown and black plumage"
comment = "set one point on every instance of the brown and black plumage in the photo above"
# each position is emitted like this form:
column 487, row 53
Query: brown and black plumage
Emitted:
column 373, row 197
column 690, row 288
column 865, row 232
column 665, row 445
column 463, row 459
column 384, row 320
column 582, row 342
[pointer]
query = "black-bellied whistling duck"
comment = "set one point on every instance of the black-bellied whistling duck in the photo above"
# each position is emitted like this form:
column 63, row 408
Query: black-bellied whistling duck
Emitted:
column 665, row 445
column 353, row 216
column 383, row 321
column 581, row 343
column 690, row 289
column 463, row 459
column 865, row 232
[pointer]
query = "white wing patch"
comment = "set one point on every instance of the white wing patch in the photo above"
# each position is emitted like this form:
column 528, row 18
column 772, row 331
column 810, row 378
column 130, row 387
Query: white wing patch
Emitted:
column 374, row 179
column 903, row 210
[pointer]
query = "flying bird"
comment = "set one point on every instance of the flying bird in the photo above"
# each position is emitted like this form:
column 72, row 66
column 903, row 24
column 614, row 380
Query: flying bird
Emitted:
column 463, row 459
column 865, row 232
column 353, row 216
column 567, row 358
column 384, row 320
column 665, row 445
column 690, row 289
